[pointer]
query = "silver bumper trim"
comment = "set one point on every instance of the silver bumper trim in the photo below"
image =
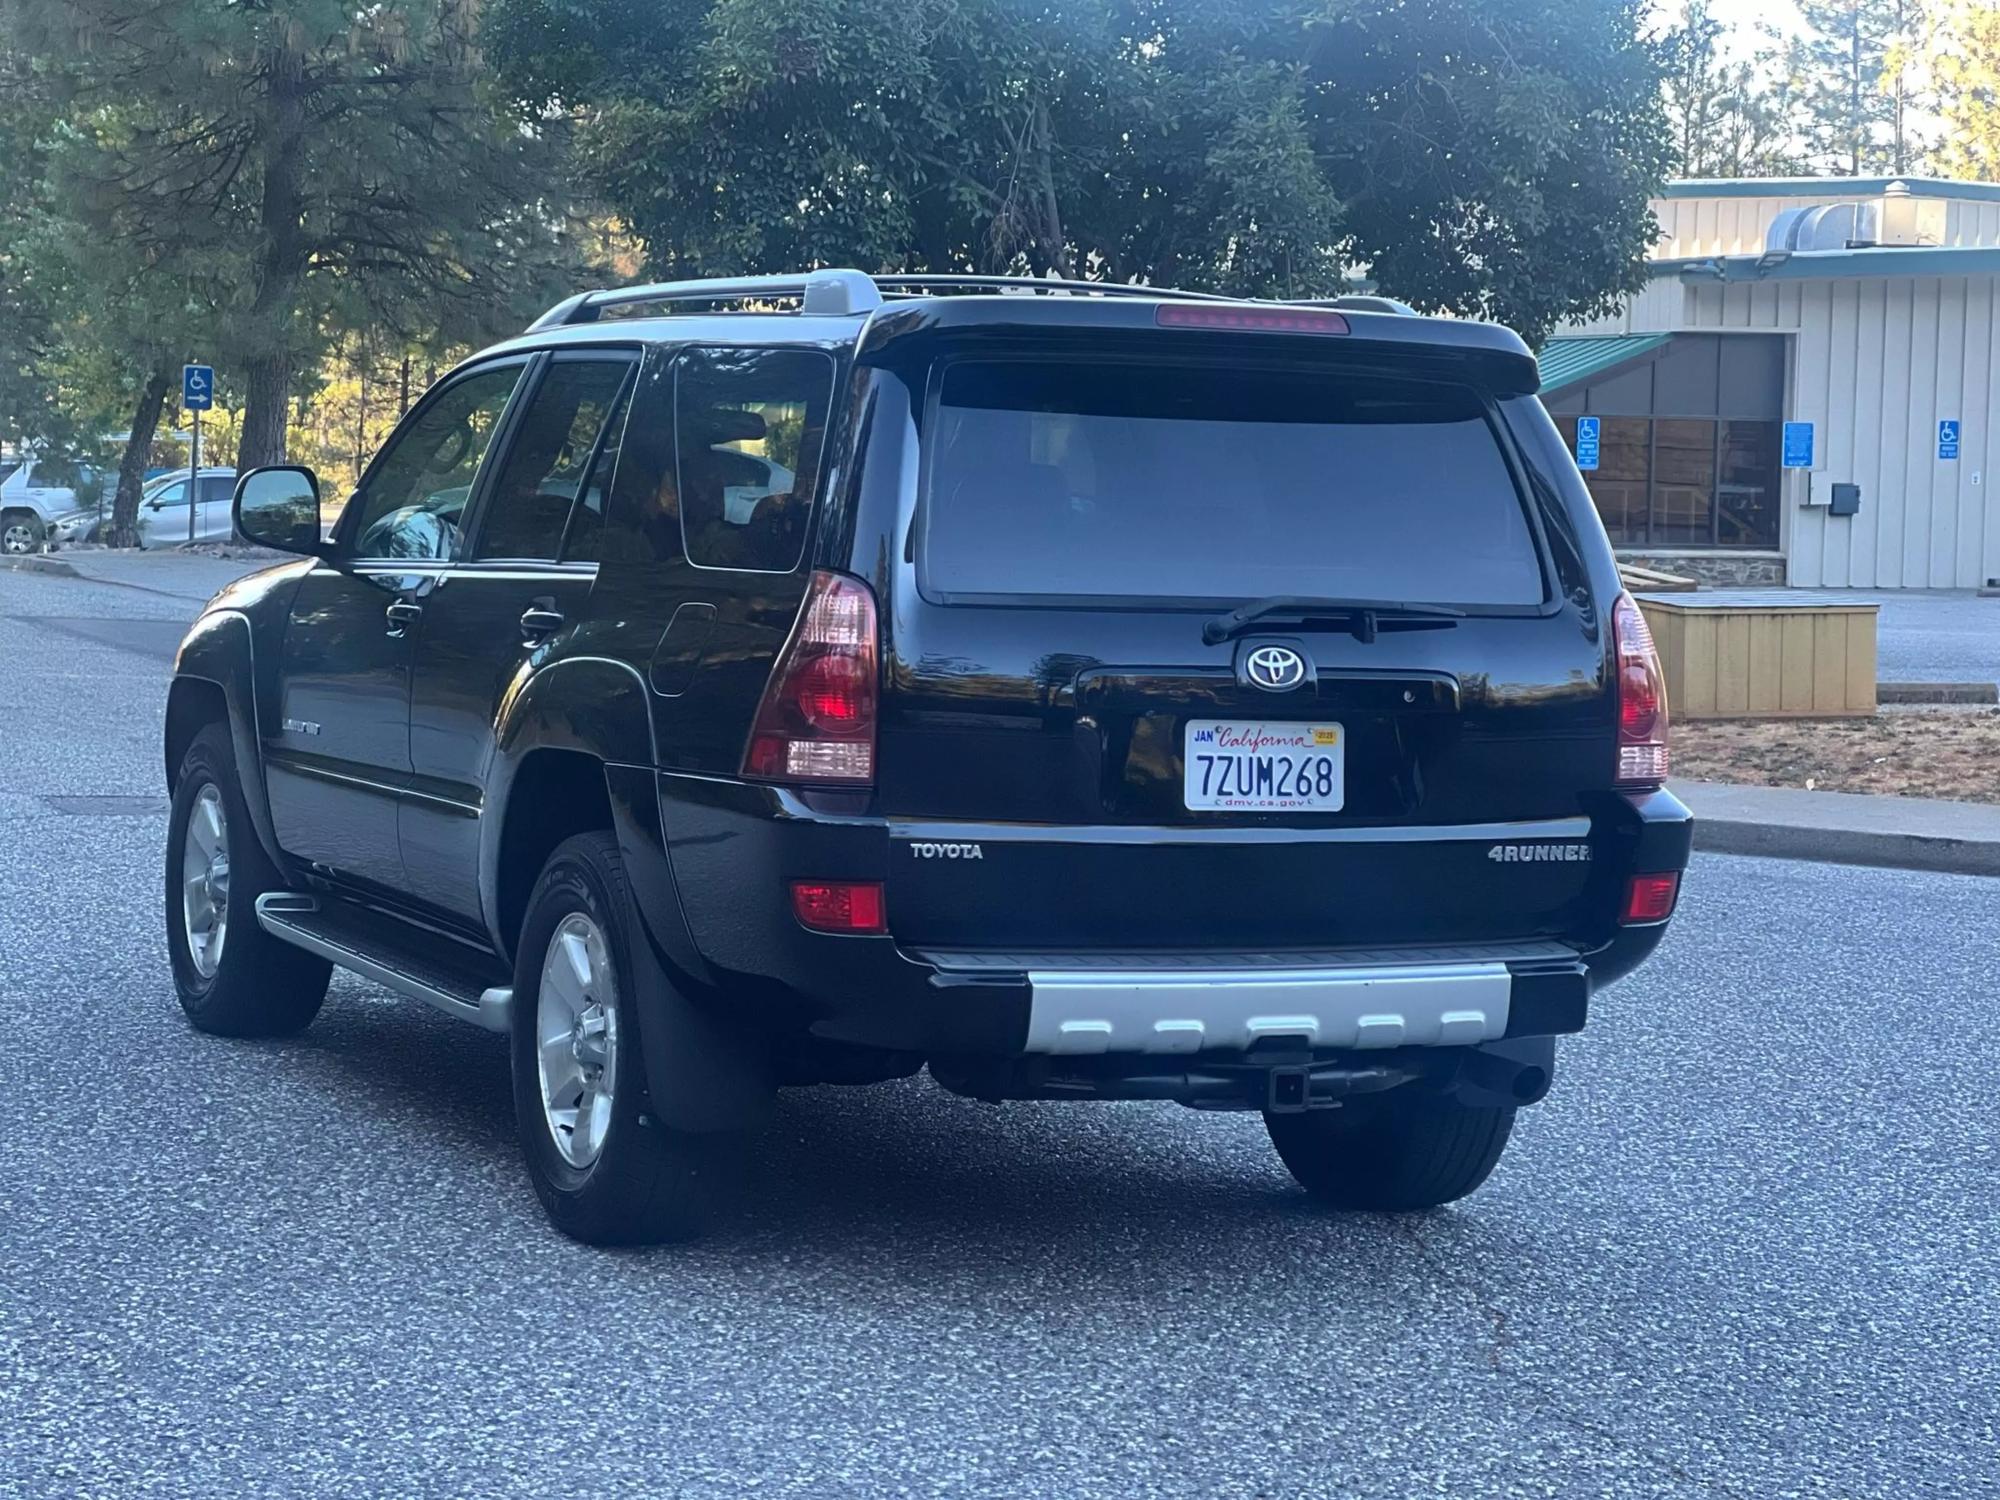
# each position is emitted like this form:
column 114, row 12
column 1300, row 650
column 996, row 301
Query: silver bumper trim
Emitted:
column 1076, row 1012
column 1573, row 829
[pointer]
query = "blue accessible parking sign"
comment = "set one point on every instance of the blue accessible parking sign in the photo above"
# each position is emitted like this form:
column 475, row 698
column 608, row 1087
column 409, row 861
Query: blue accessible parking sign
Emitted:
column 1948, row 438
column 1586, row 442
column 197, row 387
column 1798, row 445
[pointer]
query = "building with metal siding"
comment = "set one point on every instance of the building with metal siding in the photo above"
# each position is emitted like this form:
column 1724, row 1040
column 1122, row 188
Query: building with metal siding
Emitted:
column 1874, row 322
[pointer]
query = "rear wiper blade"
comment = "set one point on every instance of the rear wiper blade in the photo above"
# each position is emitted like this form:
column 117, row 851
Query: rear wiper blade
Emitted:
column 1360, row 614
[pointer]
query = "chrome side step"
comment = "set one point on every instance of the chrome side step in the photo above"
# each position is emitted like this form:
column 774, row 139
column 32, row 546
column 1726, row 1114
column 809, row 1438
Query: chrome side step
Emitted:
column 300, row 920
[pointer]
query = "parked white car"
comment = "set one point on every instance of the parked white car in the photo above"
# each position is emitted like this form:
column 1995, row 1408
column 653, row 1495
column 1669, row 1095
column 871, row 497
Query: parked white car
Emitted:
column 32, row 496
column 163, row 508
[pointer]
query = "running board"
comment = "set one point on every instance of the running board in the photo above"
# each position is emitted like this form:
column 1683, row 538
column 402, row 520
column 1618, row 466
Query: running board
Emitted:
column 349, row 938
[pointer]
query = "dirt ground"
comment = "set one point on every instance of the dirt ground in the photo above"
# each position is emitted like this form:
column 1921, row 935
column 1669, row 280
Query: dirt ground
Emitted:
column 1949, row 753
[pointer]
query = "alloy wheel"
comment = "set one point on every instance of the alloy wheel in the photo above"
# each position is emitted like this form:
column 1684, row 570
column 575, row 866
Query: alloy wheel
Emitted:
column 576, row 1039
column 205, row 880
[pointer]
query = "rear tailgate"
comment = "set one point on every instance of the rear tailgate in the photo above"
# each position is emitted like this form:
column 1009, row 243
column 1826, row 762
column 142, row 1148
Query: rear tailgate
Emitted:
column 1068, row 763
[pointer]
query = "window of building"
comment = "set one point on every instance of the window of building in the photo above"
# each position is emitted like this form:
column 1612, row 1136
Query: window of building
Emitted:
column 1689, row 444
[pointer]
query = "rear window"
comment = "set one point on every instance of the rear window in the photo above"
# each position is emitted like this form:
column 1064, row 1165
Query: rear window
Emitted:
column 1166, row 481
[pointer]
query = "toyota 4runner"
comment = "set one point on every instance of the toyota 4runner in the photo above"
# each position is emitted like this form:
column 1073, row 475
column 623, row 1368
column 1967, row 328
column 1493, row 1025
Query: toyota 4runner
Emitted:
column 1081, row 691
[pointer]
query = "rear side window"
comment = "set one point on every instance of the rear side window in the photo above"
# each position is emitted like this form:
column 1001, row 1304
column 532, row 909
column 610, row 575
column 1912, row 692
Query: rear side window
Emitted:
column 555, row 443
column 749, row 425
column 1202, row 482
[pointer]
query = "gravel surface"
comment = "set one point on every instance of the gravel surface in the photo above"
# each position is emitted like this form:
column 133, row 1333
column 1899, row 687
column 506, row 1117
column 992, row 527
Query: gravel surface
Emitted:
column 1944, row 753
column 1747, row 1248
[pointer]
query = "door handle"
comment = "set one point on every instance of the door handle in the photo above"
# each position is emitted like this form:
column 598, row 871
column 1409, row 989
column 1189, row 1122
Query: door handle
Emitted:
column 402, row 615
column 540, row 619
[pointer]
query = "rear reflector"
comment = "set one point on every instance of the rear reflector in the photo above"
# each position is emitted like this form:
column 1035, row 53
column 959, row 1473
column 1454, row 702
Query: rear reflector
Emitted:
column 1650, row 899
column 1254, row 319
column 816, row 723
column 850, row 906
column 1642, row 699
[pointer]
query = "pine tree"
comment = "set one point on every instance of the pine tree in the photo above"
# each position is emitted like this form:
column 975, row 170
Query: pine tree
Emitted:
column 1858, row 81
column 297, row 164
column 1965, row 62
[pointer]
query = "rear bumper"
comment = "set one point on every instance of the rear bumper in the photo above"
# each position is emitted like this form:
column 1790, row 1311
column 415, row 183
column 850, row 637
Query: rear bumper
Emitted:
column 735, row 847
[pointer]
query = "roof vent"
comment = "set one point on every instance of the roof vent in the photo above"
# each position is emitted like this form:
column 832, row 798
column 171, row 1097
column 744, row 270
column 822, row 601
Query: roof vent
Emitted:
column 1831, row 226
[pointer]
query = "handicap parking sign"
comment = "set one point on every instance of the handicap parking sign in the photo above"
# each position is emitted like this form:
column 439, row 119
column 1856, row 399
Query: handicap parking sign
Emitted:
column 1798, row 445
column 197, row 387
column 1948, row 438
column 1586, row 443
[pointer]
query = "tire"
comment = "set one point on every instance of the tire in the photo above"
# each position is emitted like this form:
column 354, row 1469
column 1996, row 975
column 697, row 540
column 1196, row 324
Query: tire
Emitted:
column 1394, row 1152
column 606, row 1170
column 21, row 533
column 234, row 978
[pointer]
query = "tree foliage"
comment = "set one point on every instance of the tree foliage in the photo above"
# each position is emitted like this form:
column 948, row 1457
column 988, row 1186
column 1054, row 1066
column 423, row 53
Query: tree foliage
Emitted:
column 287, row 170
column 1726, row 117
column 1965, row 65
column 1857, row 76
column 1485, row 158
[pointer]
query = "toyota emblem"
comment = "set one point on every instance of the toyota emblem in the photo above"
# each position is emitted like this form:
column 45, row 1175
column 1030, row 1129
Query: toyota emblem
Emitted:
column 1275, row 669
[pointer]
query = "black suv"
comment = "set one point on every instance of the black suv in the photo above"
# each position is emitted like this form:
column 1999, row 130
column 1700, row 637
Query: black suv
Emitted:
column 1082, row 691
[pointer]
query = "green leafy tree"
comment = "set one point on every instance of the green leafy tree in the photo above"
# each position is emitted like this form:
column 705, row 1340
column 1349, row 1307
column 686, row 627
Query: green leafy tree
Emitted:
column 322, row 165
column 1490, row 159
column 1965, row 63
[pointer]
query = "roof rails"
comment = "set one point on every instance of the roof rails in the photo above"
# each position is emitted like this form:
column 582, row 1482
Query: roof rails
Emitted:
column 1364, row 302
column 896, row 285
column 841, row 294
column 831, row 294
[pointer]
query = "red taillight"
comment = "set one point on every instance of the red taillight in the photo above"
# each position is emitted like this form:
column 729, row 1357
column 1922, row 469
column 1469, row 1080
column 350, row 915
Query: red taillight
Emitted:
column 1642, row 699
column 1650, row 899
column 1253, row 319
column 850, row 906
column 817, row 720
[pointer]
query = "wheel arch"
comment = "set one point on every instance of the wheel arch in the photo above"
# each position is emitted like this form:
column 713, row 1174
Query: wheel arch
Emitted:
column 573, row 719
column 214, row 682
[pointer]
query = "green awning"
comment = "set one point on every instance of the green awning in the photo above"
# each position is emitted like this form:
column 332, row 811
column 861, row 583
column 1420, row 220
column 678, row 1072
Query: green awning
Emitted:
column 1572, row 359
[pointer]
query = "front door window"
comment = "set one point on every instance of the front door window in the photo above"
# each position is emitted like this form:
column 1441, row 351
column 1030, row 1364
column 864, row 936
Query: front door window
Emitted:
column 412, row 504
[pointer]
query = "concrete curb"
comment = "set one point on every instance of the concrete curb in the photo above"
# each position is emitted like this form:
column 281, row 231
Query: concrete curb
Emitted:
column 1937, row 692
column 46, row 565
column 1904, row 833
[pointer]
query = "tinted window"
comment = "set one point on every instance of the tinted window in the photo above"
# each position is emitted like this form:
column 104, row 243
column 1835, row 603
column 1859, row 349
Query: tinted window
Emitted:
column 749, row 425
column 555, row 443
column 217, row 487
column 1210, row 483
column 413, row 502
column 586, row 517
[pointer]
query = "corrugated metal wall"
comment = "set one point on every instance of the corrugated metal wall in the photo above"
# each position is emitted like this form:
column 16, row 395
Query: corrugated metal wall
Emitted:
column 1694, row 227
column 1876, row 363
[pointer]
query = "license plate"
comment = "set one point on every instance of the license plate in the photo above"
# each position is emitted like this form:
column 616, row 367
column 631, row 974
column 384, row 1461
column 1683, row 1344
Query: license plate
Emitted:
column 1249, row 767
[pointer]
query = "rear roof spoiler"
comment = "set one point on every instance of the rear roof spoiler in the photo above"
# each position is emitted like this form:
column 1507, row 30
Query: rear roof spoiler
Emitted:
column 1484, row 354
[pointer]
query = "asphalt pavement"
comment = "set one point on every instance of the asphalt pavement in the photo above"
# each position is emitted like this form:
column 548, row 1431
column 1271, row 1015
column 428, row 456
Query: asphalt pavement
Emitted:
column 1750, row 1247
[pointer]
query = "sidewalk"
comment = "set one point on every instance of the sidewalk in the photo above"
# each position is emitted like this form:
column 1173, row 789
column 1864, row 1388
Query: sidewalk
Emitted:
column 1911, row 833
column 178, row 574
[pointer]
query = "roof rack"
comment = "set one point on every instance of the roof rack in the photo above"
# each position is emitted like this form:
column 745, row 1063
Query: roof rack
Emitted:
column 833, row 294
column 929, row 285
column 840, row 294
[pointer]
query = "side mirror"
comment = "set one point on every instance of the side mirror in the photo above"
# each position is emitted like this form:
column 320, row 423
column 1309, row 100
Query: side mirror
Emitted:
column 279, row 507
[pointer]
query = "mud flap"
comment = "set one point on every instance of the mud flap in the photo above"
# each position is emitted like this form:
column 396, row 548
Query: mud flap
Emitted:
column 702, row 1076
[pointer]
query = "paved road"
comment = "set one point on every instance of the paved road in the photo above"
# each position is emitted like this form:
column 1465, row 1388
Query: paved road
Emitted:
column 1748, row 1249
